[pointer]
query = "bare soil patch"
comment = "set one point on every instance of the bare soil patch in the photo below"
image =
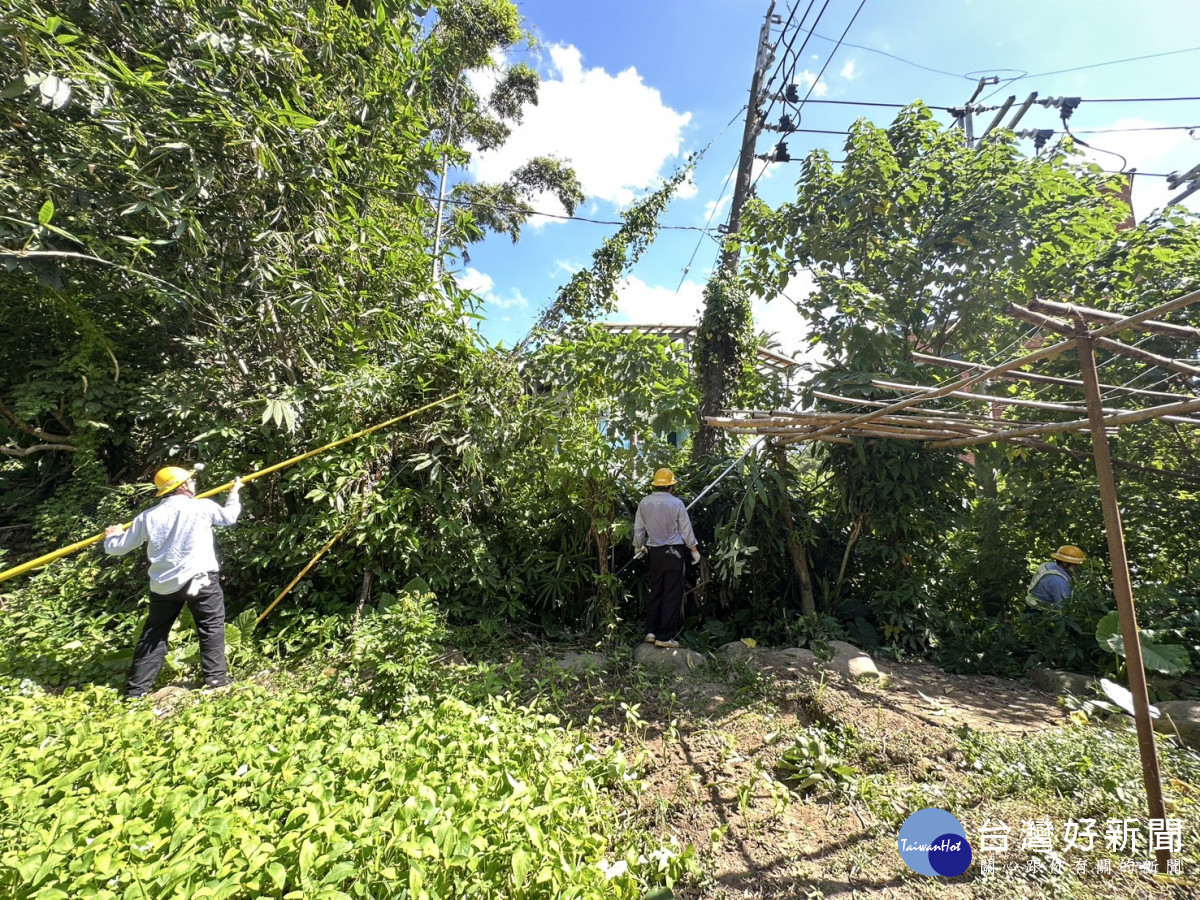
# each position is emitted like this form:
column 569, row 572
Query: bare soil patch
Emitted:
column 709, row 746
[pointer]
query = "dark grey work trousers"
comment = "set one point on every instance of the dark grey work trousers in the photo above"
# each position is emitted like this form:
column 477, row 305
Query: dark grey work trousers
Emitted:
column 664, row 607
column 208, row 609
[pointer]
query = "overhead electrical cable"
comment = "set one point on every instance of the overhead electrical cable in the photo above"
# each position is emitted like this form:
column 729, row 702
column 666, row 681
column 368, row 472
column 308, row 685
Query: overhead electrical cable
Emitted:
column 907, row 62
column 817, row 80
column 1113, row 62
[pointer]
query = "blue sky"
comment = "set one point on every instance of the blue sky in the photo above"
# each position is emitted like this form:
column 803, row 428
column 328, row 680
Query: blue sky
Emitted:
column 630, row 88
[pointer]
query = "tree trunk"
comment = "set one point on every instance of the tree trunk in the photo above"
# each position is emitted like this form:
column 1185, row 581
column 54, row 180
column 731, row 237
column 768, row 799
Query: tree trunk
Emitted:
column 722, row 343
column 855, row 532
column 796, row 549
column 363, row 596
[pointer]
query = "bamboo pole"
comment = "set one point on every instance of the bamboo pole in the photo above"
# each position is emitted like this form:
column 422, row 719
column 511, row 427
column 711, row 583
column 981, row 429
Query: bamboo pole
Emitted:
column 1067, row 310
column 96, row 538
column 858, row 401
column 1050, row 324
column 950, row 387
column 1021, row 402
column 1122, row 586
column 312, row 562
column 1137, row 415
column 884, row 427
column 1039, row 378
column 1152, row 313
column 1016, row 401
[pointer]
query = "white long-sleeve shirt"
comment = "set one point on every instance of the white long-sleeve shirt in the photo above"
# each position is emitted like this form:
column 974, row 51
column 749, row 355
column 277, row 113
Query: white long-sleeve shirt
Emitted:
column 661, row 521
column 178, row 534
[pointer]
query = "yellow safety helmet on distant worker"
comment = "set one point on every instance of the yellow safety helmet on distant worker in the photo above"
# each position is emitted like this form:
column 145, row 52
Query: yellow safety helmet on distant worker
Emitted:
column 1069, row 553
column 168, row 478
column 664, row 478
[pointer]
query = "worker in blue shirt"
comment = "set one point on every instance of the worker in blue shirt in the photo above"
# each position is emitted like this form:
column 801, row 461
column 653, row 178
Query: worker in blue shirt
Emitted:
column 663, row 531
column 178, row 534
column 1051, row 583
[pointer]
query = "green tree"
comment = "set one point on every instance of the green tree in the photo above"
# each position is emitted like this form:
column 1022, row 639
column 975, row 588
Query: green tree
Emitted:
column 919, row 242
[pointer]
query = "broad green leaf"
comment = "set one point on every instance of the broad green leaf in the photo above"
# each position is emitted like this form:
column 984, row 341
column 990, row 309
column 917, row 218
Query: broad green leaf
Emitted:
column 1169, row 659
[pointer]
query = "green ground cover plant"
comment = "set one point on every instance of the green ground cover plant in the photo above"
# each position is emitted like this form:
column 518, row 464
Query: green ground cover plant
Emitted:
column 294, row 792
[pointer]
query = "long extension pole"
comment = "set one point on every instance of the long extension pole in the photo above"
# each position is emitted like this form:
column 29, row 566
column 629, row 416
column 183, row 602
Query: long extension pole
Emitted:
column 96, row 538
column 715, row 482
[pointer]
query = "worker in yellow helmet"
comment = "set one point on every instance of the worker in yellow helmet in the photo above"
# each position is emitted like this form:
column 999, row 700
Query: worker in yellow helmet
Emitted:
column 662, row 531
column 178, row 534
column 1051, row 583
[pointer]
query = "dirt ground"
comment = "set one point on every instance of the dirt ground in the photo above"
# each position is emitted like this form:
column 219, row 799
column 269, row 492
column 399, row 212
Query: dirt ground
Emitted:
column 710, row 745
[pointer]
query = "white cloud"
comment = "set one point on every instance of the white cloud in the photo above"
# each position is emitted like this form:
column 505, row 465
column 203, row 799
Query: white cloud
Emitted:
column 779, row 317
column 810, row 78
column 849, row 72
column 614, row 129
column 687, row 189
column 650, row 305
column 714, row 210
column 483, row 286
column 473, row 280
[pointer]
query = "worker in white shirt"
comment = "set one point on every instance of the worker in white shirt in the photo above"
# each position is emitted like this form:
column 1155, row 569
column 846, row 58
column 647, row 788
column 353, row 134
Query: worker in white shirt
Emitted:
column 178, row 534
column 663, row 532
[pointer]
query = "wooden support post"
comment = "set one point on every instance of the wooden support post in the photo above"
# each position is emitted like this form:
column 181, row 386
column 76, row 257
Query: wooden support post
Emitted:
column 795, row 545
column 1121, row 583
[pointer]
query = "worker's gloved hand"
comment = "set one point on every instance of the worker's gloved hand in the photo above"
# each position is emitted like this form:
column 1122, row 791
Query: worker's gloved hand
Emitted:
column 113, row 531
column 639, row 552
column 695, row 556
column 237, row 486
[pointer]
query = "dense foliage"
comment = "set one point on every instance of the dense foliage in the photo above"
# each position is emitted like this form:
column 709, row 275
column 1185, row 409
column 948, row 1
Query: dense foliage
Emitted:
column 386, row 782
column 919, row 242
column 225, row 238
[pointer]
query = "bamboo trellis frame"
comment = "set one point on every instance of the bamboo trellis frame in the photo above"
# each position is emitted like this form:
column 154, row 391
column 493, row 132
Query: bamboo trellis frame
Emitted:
column 937, row 429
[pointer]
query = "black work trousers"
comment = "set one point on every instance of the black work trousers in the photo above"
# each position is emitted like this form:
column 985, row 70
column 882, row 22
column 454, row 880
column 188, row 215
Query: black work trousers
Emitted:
column 664, row 607
column 208, row 609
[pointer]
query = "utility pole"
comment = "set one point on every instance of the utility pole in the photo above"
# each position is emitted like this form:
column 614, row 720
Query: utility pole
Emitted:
column 964, row 115
column 754, row 124
column 1191, row 178
column 718, row 343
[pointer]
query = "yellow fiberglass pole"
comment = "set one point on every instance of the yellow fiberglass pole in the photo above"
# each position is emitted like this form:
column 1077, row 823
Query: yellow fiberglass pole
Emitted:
column 96, row 538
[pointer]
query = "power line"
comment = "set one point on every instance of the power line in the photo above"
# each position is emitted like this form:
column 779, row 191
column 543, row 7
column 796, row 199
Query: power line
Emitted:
column 832, row 53
column 947, row 107
column 907, row 62
column 1112, row 62
column 816, row 81
column 1050, row 130
column 459, row 201
column 1140, row 99
column 717, row 205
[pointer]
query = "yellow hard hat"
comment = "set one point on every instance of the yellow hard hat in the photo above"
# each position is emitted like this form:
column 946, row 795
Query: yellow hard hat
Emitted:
column 168, row 478
column 1069, row 553
column 664, row 478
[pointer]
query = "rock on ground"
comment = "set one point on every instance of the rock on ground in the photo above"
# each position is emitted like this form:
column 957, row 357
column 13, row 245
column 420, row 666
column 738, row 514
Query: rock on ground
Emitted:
column 668, row 659
column 735, row 650
column 582, row 663
column 1052, row 681
column 1182, row 716
column 850, row 662
column 804, row 658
